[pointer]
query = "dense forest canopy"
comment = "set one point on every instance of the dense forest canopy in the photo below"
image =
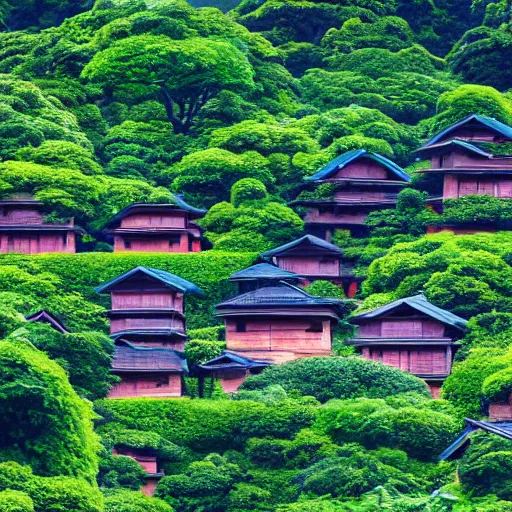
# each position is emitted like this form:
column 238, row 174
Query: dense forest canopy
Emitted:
column 230, row 106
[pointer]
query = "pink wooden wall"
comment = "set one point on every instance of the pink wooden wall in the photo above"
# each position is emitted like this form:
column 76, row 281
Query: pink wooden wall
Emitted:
column 358, row 196
column 152, row 244
column 389, row 328
column 18, row 215
column 150, row 486
column 279, row 334
column 25, row 243
column 147, row 300
column 124, row 324
column 314, row 216
column 146, row 385
column 310, row 265
column 363, row 168
column 155, row 220
column 231, row 382
column 464, row 185
column 471, row 133
column 501, row 411
column 418, row 361
column 435, row 390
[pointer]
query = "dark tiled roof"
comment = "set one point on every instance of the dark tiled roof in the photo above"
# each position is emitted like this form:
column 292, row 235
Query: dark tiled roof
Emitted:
column 500, row 428
column 232, row 361
column 279, row 294
column 178, row 203
column 489, row 122
column 130, row 357
column 420, row 303
column 262, row 271
column 44, row 316
column 460, row 143
column 168, row 279
column 346, row 158
column 308, row 240
column 168, row 333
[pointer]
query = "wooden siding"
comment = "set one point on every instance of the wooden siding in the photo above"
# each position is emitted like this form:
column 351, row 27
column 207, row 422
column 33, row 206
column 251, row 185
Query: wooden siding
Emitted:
column 464, row 185
column 146, row 385
column 418, row 361
column 164, row 243
column 148, row 462
column 477, row 133
column 132, row 324
column 310, row 266
column 358, row 196
column 28, row 243
column 155, row 220
column 363, row 168
column 403, row 328
column 330, row 217
column 147, row 300
column 231, row 381
column 20, row 216
column 279, row 335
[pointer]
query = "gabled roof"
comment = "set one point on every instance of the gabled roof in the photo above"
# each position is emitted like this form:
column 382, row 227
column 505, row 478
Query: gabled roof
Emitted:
column 489, row 122
column 455, row 450
column 456, row 142
column 349, row 157
column 263, row 271
column 153, row 333
column 305, row 241
column 280, row 294
column 130, row 357
column 166, row 278
column 232, row 361
column 44, row 316
column 178, row 204
column 419, row 303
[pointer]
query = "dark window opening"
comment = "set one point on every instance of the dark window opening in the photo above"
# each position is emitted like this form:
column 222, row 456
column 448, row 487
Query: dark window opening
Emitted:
column 241, row 326
column 315, row 326
column 174, row 240
column 127, row 244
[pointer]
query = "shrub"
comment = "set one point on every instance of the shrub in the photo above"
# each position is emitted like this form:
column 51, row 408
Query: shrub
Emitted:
column 130, row 501
column 325, row 289
column 247, row 189
column 15, row 501
column 337, row 377
column 43, row 421
column 120, row 471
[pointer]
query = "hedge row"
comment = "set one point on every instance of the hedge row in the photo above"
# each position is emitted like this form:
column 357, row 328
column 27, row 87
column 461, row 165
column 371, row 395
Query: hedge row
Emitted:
column 82, row 272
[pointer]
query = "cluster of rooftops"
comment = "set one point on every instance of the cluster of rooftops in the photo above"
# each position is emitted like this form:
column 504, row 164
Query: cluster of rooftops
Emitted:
column 466, row 155
column 272, row 319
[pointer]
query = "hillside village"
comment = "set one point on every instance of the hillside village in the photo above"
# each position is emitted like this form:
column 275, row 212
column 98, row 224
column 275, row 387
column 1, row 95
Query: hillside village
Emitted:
column 255, row 256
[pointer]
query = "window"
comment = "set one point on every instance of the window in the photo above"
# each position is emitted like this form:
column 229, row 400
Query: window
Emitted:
column 315, row 326
column 241, row 326
column 174, row 240
column 127, row 244
column 442, row 161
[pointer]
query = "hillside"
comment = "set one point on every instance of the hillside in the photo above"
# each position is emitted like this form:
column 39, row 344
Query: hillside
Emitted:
column 235, row 115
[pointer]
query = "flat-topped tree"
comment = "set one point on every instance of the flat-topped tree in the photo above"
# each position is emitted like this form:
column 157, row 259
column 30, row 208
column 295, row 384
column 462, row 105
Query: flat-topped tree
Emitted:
column 360, row 182
column 411, row 334
column 156, row 227
column 315, row 259
column 186, row 73
column 148, row 326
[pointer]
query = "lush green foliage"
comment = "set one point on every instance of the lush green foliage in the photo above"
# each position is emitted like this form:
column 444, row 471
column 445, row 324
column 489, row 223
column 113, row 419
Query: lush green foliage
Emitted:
column 336, row 377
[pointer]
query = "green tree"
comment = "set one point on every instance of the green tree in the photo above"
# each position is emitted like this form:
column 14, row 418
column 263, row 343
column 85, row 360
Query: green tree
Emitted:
column 188, row 72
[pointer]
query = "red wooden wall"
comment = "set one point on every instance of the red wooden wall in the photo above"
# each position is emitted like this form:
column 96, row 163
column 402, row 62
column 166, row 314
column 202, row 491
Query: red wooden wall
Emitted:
column 310, row 265
column 147, row 385
column 147, row 300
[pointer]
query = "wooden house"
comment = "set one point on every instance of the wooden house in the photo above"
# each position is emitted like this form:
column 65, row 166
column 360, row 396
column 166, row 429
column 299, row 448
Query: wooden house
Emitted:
column 148, row 459
column 362, row 182
column 148, row 324
column 272, row 324
column 45, row 317
column 150, row 227
column 315, row 259
column 411, row 334
column 462, row 157
column 260, row 275
column 23, row 229
column 457, row 449
column 501, row 410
